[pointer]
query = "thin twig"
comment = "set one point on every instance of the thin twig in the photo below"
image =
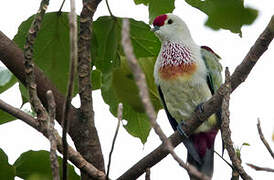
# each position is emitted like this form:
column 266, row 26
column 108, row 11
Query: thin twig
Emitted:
column 70, row 89
column 263, row 139
column 258, row 168
column 29, row 65
column 224, row 159
column 119, row 118
column 74, row 156
column 147, row 174
column 60, row 9
column 53, row 144
column 226, row 133
column 109, row 10
column 144, row 95
column 210, row 107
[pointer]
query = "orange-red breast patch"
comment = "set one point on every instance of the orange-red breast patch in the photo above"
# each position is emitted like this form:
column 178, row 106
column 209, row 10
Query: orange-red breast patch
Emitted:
column 170, row 72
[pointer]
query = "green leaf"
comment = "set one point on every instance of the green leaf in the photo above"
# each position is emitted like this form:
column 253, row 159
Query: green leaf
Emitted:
column 5, row 117
column 145, row 2
column 245, row 144
column 229, row 14
column 33, row 165
column 96, row 79
column 7, row 79
column 118, row 83
column 24, row 94
column 7, row 171
column 158, row 7
column 51, row 48
column 107, row 34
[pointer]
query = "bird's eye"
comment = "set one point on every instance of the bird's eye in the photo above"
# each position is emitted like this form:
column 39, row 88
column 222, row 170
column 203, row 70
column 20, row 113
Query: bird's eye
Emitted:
column 170, row 21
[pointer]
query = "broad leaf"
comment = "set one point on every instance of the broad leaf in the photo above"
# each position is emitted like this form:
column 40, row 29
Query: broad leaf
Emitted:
column 7, row 171
column 5, row 117
column 36, row 165
column 229, row 14
column 51, row 49
column 106, row 32
column 7, row 79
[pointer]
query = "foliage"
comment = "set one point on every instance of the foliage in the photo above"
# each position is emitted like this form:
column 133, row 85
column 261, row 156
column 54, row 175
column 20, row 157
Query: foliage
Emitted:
column 228, row 14
column 31, row 165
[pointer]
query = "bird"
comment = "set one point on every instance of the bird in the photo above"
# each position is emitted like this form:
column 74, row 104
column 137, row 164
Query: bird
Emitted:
column 186, row 76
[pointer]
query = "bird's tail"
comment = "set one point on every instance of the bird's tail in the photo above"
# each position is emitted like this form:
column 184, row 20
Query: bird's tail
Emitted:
column 206, row 166
column 204, row 145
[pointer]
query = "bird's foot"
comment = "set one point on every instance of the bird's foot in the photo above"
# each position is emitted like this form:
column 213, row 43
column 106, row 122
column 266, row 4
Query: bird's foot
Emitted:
column 180, row 129
column 200, row 108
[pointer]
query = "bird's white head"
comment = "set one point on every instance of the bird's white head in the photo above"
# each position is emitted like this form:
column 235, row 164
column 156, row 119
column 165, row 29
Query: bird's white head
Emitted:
column 169, row 27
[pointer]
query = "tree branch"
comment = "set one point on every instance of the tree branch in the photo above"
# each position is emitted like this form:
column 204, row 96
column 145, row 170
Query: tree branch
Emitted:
column 257, row 168
column 263, row 139
column 89, row 146
column 74, row 156
column 210, row 107
column 70, row 88
column 29, row 65
column 226, row 133
column 119, row 118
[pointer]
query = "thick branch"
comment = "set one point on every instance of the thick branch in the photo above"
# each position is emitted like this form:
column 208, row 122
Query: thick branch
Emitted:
column 210, row 107
column 89, row 146
column 74, row 156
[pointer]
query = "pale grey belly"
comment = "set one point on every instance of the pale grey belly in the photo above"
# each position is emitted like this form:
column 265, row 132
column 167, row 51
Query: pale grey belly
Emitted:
column 183, row 97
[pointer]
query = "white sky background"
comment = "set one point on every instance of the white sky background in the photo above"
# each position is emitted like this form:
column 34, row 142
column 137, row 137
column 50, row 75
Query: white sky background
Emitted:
column 251, row 100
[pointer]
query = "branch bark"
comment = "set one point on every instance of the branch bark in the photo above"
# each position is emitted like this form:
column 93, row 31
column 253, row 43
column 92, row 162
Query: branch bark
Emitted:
column 89, row 136
column 258, row 168
column 263, row 139
column 226, row 132
column 210, row 107
column 52, row 139
column 70, row 88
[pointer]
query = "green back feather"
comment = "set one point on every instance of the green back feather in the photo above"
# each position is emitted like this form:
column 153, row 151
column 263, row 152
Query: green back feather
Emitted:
column 214, row 68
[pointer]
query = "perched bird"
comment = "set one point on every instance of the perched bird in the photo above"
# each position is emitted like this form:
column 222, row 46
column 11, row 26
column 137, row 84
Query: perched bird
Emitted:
column 186, row 76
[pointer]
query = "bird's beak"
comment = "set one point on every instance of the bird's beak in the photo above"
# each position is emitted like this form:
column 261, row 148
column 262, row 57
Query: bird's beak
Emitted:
column 155, row 28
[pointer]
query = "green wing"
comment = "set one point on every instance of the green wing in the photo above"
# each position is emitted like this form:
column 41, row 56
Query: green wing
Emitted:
column 214, row 68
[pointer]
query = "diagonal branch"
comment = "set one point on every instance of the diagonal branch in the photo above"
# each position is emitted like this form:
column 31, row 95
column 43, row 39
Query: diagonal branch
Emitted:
column 74, row 156
column 258, row 168
column 210, row 107
column 263, row 139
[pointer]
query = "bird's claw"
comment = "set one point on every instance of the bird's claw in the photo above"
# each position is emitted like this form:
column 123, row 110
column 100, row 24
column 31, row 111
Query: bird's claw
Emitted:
column 180, row 130
column 200, row 108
